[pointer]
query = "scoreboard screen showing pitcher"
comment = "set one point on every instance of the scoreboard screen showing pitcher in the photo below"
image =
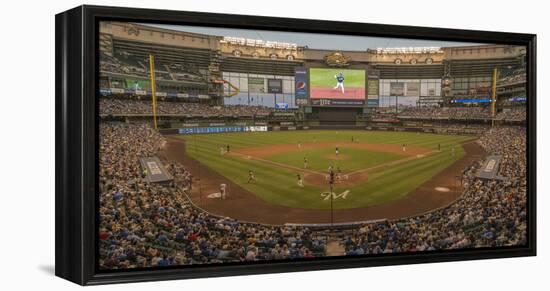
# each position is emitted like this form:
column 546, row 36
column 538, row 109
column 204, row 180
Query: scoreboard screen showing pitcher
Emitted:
column 338, row 86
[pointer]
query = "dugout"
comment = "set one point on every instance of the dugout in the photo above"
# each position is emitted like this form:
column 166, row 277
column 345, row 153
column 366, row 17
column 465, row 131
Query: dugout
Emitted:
column 154, row 171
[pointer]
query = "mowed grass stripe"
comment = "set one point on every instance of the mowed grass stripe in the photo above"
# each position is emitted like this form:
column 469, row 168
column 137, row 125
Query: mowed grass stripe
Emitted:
column 395, row 183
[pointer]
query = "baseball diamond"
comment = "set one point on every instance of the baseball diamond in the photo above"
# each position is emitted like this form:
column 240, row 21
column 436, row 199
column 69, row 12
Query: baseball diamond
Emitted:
column 375, row 171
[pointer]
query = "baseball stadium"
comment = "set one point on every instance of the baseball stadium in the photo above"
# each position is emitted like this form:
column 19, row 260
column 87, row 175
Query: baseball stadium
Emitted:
column 216, row 147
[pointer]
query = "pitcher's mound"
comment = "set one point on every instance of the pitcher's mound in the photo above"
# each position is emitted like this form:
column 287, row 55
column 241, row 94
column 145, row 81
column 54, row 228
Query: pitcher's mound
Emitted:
column 339, row 157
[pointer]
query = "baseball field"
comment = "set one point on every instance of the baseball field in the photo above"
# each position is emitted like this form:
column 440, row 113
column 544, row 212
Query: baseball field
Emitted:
column 373, row 168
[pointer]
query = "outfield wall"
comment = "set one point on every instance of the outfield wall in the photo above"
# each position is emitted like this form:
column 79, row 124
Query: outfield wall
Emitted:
column 236, row 129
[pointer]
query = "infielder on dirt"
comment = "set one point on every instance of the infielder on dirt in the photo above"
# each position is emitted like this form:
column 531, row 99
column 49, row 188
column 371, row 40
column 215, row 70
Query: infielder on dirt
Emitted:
column 300, row 180
column 251, row 177
column 223, row 190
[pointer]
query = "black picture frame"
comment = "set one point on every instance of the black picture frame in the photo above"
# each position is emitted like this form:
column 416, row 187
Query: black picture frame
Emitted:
column 77, row 141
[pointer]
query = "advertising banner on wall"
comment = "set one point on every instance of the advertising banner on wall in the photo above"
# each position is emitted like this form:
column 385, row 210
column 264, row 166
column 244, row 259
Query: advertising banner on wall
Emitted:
column 104, row 91
column 256, row 85
column 274, row 86
column 255, row 128
column 138, row 85
column 117, row 91
column 300, row 83
column 203, row 130
column 373, row 88
column 301, row 101
column 397, row 89
column 373, row 83
column 331, row 102
column 372, row 102
column 413, row 89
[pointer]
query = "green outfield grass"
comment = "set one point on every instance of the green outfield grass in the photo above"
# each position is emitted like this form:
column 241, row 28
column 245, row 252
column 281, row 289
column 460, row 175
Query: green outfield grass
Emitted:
column 350, row 159
column 325, row 77
column 278, row 185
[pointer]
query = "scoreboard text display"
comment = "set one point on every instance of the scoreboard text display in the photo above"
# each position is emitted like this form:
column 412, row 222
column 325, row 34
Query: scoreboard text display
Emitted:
column 274, row 86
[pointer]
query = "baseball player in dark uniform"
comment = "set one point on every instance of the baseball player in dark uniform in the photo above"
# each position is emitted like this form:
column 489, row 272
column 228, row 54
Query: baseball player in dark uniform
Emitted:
column 251, row 177
column 339, row 82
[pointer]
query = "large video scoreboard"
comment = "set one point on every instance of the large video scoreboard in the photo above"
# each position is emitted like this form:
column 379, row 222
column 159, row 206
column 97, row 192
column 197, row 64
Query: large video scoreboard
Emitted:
column 338, row 87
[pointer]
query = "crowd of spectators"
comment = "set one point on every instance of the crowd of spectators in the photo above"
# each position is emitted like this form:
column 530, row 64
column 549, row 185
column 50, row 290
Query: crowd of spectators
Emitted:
column 129, row 106
column 128, row 64
column 488, row 214
column 151, row 225
column 462, row 129
column 513, row 77
column 462, row 113
column 112, row 64
column 447, row 112
column 383, row 116
column 513, row 113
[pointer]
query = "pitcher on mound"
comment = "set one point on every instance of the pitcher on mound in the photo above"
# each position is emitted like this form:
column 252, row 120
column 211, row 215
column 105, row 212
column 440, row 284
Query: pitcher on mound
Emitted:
column 339, row 82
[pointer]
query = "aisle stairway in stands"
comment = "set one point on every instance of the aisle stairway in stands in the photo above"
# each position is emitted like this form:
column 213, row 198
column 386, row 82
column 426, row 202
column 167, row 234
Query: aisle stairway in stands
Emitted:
column 334, row 248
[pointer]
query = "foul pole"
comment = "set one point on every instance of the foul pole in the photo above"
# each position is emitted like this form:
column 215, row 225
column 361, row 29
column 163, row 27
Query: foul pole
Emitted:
column 153, row 87
column 494, row 96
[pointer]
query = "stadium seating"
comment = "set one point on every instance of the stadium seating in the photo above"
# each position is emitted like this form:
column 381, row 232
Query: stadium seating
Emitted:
column 489, row 213
column 144, row 225
column 128, row 106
